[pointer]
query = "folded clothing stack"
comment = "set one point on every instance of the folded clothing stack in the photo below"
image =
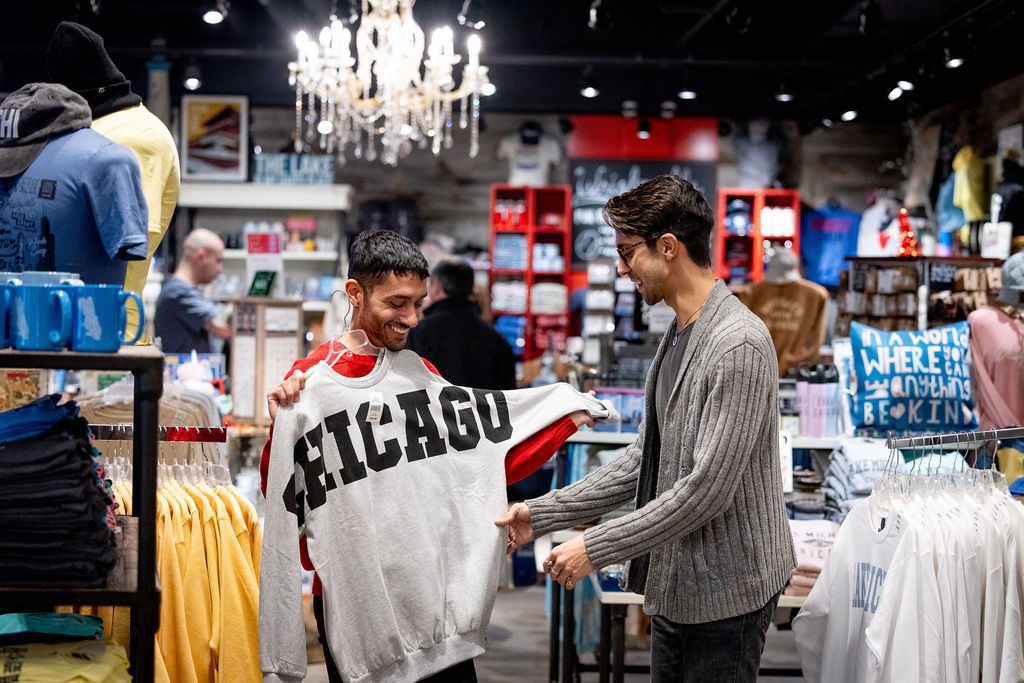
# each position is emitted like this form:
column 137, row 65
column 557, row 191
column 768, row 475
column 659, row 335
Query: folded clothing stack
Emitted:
column 813, row 541
column 54, row 505
column 853, row 468
column 96, row 661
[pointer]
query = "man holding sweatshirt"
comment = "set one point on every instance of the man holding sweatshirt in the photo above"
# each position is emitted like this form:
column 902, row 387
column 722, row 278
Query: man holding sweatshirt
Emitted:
column 708, row 544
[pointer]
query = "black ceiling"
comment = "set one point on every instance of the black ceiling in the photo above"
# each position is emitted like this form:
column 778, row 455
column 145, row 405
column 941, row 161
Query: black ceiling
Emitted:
column 734, row 53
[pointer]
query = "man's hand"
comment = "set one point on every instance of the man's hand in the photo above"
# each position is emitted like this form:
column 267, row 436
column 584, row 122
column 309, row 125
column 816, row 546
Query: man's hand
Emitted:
column 286, row 393
column 569, row 563
column 520, row 528
column 582, row 418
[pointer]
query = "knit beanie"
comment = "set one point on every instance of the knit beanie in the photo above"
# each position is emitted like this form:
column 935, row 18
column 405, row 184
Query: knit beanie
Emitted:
column 76, row 58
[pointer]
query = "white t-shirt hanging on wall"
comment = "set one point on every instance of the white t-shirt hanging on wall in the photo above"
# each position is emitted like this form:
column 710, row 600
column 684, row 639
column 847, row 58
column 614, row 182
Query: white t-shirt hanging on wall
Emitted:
column 529, row 165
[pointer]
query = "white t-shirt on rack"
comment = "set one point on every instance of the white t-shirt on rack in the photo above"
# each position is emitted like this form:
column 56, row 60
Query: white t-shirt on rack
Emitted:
column 842, row 605
column 904, row 639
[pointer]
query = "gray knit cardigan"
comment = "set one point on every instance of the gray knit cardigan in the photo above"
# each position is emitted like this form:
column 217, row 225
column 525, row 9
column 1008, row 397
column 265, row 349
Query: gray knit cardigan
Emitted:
column 716, row 529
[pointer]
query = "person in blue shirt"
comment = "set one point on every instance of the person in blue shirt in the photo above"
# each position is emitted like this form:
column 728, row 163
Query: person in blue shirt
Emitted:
column 70, row 199
column 185, row 319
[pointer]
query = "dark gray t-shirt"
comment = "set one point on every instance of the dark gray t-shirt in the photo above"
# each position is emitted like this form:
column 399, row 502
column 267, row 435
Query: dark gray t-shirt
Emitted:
column 668, row 373
column 181, row 314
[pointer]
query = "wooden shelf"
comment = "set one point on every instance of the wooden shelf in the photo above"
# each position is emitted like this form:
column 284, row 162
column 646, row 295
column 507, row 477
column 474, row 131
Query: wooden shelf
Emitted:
column 252, row 196
column 507, row 271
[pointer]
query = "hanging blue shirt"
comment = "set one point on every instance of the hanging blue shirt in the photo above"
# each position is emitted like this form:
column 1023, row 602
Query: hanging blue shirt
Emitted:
column 78, row 208
column 827, row 236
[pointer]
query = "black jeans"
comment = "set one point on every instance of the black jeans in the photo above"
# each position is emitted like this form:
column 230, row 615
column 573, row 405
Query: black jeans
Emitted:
column 725, row 651
column 463, row 672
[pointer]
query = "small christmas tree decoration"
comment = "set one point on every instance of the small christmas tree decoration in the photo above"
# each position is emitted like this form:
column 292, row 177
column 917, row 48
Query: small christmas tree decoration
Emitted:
column 908, row 239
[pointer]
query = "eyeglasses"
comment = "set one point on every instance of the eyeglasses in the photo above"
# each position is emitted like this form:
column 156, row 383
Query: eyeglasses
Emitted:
column 625, row 250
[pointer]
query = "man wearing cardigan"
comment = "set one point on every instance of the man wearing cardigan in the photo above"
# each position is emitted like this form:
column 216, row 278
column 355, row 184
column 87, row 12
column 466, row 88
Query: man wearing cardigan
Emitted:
column 708, row 543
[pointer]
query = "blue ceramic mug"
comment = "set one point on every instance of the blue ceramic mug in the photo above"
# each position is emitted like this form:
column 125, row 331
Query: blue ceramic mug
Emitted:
column 8, row 285
column 101, row 316
column 41, row 318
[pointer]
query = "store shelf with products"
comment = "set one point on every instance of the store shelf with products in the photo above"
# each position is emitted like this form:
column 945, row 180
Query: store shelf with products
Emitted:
column 749, row 223
column 530, row 241
column 904, row 293
column 146, row 364
column 308, row 216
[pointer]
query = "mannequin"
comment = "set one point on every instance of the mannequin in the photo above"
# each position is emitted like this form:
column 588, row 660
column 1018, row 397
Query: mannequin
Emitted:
column 77, row 58
column 70, row 199
column 792, row 308
column 530, row 154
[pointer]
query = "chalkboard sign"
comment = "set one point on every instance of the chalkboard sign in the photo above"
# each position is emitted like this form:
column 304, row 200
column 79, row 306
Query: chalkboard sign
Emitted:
column 941, row 276
column 595, row 181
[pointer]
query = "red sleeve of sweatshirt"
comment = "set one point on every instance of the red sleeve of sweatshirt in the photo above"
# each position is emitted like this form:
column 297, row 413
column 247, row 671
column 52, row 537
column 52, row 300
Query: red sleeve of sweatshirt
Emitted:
column 522, row 461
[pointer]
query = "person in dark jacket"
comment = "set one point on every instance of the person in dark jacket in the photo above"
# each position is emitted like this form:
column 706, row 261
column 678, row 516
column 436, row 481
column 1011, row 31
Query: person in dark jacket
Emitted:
column 466, row 350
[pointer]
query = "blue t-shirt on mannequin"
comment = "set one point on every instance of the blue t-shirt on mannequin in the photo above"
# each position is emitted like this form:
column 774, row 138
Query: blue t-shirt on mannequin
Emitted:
column 77, row 208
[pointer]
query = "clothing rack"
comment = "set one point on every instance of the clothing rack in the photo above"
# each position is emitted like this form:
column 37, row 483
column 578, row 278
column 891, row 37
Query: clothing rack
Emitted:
column 969, row 439
column 124, row 432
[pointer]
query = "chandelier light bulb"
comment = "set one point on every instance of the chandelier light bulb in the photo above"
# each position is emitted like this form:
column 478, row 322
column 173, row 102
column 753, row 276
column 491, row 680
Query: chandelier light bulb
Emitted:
column 300, row 40
column 488, row 89
column 325, row 36
column 325, row 127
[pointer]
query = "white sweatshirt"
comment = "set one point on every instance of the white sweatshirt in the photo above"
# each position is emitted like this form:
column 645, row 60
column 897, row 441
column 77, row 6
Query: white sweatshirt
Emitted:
column 395, row 479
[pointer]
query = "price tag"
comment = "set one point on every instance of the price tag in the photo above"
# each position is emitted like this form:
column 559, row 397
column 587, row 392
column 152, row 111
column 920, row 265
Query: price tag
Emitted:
column 376, row 407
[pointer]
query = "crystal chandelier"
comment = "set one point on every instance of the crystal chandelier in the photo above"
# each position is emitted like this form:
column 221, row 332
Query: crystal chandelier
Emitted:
column 383, row 94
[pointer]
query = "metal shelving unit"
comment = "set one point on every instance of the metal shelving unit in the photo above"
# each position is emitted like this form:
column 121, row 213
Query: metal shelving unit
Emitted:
column 146, row 364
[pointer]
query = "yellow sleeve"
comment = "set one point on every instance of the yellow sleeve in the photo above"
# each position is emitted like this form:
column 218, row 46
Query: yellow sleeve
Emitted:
column 197, row 591
column 240, row 603
column 211, row 545
column 172, row 636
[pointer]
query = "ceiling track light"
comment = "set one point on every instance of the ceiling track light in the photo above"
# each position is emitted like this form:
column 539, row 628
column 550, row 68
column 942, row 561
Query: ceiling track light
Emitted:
column 216, row 13
column 783, row 94
column 588, row 86
column 849, row 115
column 472, row 15
column 951, row 59
column 643, row 129
column 193, row 77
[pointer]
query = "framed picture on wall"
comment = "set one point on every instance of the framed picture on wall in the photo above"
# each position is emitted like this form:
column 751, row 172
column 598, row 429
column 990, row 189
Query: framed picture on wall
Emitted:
column 214, row 137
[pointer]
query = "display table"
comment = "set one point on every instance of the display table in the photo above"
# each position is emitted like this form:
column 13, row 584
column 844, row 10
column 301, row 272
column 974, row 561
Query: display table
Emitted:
column 563, row 660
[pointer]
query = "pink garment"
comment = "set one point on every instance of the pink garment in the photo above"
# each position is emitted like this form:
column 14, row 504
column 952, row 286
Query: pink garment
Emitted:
column 797, row 591
column 801, row 581
column 997, row 361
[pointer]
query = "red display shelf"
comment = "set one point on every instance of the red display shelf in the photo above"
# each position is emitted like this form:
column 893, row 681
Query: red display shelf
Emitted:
column 544, row 215
column 735, row 253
